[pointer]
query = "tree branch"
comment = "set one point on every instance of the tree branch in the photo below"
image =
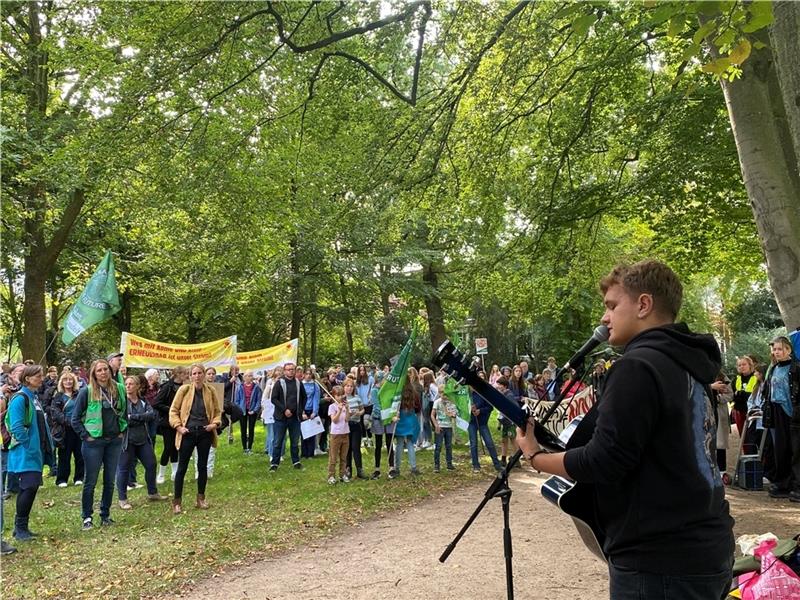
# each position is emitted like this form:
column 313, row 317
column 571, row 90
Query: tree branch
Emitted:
column 61, row 234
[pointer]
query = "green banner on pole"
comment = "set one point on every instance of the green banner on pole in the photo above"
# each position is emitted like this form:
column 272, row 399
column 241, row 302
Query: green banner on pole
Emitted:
column 392, row 389
column 97, row 303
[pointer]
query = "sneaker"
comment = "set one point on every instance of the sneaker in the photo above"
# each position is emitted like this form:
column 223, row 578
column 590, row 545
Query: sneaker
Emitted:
column 776, row 492
column 160, row 478
column 78, row 482
column 273, row 468
column 319, row 452
column 416, row 471
column 451, row 468
column 435, row 470
column 63, row 484
column 156, row 497
column 794, row 496
column 125, row 505
column 23, row 535
column 6, row 548
column 131, row 486
column 345, row 479
column 360, row 474
column 331, row 480
column 107, row 521
column 87, row 524
column 376, row 474
column 393, row 474
column 297, row 466
column 476, row 469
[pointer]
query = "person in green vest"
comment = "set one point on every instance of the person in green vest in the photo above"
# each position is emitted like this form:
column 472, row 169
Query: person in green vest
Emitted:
column 100, row 420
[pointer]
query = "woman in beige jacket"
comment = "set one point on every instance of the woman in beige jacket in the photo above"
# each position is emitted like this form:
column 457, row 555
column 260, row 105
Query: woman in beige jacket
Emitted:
column 195, row 415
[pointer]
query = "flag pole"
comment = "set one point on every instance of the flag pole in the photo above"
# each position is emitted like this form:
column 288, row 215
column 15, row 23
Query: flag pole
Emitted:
column 50, row 345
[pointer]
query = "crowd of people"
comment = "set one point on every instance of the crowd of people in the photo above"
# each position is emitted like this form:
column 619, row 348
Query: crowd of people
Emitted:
column 77, row 421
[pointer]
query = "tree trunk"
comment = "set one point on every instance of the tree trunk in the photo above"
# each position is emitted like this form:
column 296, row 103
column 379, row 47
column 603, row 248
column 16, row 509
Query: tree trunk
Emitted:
column 433, row 305
column 313, row 335
column 33, row 336
column 786, row 49
column 294, row 288
column 768, row 160
column 348, row 331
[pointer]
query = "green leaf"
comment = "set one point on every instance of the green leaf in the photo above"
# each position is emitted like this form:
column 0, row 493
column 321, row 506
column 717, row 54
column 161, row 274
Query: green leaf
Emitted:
column 705, row 29
column 717, row 67
column 760, row 16
column 582, row 24
column 740, row 53
column 690, row 52
column 725, row 38
column 708, row 8
column 759, row 45
column 568, row 10
column 661, row 14
column 676, row 25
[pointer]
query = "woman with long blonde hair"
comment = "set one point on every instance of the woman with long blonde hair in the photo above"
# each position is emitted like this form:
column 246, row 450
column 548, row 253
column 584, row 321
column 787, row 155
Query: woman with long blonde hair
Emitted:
column 100, row 418
column 195, row 415
column 65, row 437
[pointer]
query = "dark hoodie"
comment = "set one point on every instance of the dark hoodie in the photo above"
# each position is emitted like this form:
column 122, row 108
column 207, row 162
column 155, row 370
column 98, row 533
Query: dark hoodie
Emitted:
column 658, row 494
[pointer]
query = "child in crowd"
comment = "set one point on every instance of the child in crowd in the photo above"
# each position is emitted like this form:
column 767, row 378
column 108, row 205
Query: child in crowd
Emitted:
column 339, row 413
column 406, row 429
column 443, row 417
column 356, row 412
column 507, row 428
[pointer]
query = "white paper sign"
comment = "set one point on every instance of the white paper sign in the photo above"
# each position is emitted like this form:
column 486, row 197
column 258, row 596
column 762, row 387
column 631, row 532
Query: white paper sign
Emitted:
column 462, row 424
column 267, row 412
column 311, row 427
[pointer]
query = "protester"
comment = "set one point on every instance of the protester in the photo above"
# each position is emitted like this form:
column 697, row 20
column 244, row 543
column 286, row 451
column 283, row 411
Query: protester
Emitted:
column 328, row 383
column 339, row 412
column 248, row 398
column 379, row 430
column 742, row 386
column 211, row 377
column 30, row 447
column 64, row 436
column 195, row 414
column 651, row 453
column 406, row 429
column 526, row 370
column 149, row 394
column 115, row 364
column 268, row 411
column 551, row 368
column 355, row 412
column 517, row 384
column 494, row 374
column 163, row 403
column 100, row 420
column 443, row 416
column 480, row 411
column 289, row 398
column 310, row 411
column 137, row 444
column 11, row 386
column 5, row 547
column 721, row 392
column 507, row 431
column 783, row 417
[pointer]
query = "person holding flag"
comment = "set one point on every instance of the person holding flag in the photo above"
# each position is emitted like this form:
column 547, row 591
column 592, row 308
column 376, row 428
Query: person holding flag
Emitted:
column 379, row 429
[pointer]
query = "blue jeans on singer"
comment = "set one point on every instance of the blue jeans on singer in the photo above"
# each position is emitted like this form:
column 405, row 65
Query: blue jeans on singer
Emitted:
column 99, row 453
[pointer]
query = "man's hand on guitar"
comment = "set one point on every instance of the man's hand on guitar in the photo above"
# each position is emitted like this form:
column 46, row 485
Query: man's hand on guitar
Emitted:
column 526, row 441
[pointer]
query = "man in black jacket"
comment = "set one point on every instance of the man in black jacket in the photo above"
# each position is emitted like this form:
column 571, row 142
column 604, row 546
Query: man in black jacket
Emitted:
column 658, row 495
column 289, row 398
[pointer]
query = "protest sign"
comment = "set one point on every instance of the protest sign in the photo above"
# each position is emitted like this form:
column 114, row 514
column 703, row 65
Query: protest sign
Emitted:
column 144, row 353
column 268, row 358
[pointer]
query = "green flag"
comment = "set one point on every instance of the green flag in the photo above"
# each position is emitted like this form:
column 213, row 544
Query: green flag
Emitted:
column 97, row 303
column 392, row 389
column 460, row 396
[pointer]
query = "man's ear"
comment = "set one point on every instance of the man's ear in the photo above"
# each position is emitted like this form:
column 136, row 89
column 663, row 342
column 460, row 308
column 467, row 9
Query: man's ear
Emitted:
column 645, row 305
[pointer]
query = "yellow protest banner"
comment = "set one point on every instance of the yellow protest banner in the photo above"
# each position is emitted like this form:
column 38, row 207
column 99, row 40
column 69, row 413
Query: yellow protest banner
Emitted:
column 141, row 352
column 268, row 358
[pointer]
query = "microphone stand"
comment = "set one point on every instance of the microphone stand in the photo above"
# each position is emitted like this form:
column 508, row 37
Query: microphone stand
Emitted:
column 499, row 488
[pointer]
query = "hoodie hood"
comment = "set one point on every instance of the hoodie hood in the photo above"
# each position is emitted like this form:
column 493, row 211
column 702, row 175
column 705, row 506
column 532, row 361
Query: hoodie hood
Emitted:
column 698, row 353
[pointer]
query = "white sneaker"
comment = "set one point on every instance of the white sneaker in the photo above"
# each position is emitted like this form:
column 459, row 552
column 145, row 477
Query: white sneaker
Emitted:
column 162, row 471
column 319, row 452
column 78, row 482
column 62, row 484
column 331, row 480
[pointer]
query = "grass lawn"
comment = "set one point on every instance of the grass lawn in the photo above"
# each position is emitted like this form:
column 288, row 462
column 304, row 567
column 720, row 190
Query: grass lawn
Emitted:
column 253, row 514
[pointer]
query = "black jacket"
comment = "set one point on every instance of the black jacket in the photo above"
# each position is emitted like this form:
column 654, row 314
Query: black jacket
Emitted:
column 163, row 401
column 658, row 493
column 289, row 401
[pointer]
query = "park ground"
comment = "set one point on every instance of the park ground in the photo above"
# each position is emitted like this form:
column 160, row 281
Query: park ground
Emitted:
column 290, row 535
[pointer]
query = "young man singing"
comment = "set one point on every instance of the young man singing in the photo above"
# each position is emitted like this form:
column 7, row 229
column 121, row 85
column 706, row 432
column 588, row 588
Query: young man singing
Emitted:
column 658, row 495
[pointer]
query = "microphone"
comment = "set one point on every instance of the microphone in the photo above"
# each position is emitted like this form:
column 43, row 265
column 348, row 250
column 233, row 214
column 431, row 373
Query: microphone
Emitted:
column 599, row 336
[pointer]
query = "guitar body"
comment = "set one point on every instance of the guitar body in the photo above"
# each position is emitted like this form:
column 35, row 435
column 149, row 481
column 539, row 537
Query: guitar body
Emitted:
column 576, row 499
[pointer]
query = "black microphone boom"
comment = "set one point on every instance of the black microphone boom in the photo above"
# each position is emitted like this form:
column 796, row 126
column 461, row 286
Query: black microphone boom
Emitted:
column 599, row 336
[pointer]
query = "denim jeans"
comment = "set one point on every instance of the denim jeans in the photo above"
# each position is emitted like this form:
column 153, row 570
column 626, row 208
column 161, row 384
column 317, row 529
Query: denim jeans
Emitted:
column 486, row 435
column 293, row 425
column 99, row 453
column 626, row 584
column 270, row 438
column 147, row 457
column 401, row 441
column 445, row 435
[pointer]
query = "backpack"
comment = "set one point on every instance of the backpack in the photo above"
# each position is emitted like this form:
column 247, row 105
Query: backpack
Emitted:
column 8, row 439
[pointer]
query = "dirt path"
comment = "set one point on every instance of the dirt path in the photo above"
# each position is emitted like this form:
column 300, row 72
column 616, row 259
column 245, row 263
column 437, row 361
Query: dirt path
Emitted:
column 397, row 556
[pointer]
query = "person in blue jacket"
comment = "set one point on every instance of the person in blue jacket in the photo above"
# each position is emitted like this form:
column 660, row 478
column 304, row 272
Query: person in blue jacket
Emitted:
column 30, row 447
column 248, row 398
column 310, row 411
column 479, row 423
